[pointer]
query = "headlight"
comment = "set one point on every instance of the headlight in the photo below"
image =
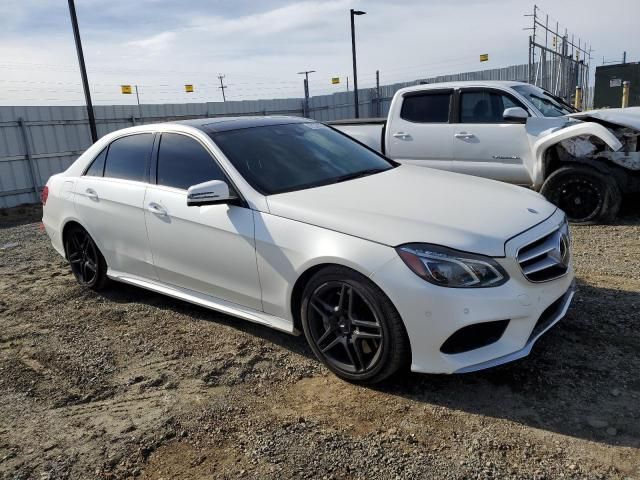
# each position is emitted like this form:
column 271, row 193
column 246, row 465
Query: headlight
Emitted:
column 450, row 268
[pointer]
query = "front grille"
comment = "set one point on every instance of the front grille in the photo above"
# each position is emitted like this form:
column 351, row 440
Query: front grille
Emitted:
column 547, row 258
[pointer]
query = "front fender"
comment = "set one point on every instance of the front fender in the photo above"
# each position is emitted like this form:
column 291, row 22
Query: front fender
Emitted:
column 585, row 128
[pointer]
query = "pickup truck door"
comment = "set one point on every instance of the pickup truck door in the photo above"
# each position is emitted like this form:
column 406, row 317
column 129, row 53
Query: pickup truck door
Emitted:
column 483, row 143
column 419, row 130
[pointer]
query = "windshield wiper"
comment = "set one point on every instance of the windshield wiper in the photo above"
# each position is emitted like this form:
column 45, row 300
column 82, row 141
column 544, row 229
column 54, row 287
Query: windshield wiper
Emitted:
column 361, row 173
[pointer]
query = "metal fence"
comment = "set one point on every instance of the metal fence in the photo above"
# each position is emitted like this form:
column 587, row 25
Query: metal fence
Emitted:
column 37, row 142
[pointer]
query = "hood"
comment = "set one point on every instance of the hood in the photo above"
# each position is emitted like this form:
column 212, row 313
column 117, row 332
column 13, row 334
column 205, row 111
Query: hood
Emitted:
column 418, row 204
column 625, row 117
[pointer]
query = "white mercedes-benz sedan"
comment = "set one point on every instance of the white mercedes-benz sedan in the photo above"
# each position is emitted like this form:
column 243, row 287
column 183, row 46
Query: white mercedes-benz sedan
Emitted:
column 289, row 223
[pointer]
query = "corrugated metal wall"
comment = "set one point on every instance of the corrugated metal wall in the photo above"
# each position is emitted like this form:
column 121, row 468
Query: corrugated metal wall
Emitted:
column 37, row 142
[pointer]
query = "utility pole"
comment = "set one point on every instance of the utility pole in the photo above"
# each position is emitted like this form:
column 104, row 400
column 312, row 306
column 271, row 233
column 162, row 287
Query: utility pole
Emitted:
column 222, row 87
column 353, row 13
column 306, row 90
column 378, row 108
column 83, row 72
column 347, row 83
column 138, row 99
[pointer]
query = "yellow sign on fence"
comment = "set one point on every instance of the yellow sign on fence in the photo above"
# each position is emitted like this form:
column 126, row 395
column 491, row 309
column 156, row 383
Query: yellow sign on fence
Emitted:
column 484, row 57
column 335, row 80
column 126, row 89
column 188, row 88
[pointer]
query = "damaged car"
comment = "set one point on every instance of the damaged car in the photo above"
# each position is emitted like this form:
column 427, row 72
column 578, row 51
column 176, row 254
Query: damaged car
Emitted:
column 583, row 162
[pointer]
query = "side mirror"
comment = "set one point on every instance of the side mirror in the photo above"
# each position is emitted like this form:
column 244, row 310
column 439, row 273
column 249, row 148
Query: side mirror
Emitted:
column 515, row 115
column 213, row 192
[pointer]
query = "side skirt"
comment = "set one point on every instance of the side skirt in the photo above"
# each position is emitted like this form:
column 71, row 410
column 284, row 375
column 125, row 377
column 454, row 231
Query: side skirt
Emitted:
column 206, row 301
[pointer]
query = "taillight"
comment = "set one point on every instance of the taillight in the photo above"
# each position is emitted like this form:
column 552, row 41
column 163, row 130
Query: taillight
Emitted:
column 44, row 195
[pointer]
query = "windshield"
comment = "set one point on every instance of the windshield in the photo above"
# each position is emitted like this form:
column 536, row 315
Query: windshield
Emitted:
column 295, row 156
column 548, row 104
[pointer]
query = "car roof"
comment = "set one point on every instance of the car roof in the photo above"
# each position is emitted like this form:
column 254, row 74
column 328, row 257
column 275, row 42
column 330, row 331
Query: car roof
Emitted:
column 224, row 124
column 466, row 83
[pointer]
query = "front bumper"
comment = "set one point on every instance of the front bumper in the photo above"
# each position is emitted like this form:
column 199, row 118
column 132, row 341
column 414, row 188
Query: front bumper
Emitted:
column 432, row 314
column 542, row 326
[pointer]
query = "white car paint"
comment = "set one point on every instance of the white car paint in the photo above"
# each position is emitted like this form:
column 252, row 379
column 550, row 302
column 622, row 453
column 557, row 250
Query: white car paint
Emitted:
column 508, row 152
column 253, row 257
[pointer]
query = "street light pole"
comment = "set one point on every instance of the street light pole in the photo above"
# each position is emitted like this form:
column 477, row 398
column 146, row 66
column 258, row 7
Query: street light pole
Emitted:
column 306, row 90
column 83, row 71
column 353, row 50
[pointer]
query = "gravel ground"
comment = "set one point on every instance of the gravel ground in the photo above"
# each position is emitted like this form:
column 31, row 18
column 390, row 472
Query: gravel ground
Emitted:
column 130, row 383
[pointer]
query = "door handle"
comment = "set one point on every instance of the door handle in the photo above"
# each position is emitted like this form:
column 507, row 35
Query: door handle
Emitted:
column 402, row 135
column 464, row 135
column 91, row 193
column 156, row 209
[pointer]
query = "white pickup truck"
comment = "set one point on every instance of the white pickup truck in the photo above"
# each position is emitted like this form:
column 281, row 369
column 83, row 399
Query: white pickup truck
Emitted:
column 514, row 132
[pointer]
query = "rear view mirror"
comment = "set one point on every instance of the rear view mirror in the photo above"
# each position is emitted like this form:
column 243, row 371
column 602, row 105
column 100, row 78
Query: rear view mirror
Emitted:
column 213, row 192
column 515, row 115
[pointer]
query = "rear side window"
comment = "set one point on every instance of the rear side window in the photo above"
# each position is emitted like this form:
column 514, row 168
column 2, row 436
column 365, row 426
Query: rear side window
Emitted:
column 128, row 156
column 428, row 108
column 97, row 166
column 484, row 107
column 183, row 162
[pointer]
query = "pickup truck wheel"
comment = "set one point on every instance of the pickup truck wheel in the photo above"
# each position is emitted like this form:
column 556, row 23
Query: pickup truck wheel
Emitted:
column 586, row 195
column 353, row 327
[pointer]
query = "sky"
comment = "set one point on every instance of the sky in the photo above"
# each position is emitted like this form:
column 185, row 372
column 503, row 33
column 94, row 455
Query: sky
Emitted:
column 260, row 45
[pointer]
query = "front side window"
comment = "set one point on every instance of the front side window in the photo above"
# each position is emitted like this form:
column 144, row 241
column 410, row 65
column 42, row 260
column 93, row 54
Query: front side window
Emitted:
column 426, row 108
column 484, row 106
column 295, row 156
column 549, row 105
column 128, row 156
column 184, row 162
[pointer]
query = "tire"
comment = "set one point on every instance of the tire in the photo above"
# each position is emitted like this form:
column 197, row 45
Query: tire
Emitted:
column 587, row 196
column 85, row 259
column 344, row 308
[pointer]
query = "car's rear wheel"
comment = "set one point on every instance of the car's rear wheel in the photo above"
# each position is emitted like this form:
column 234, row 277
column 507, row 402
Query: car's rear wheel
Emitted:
column 86, row 261
column 586, row 195
column 352, row 327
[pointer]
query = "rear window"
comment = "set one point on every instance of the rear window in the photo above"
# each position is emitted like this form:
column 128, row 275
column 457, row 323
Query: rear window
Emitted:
column 97, row 166
column 128, row 157
column 427, row 108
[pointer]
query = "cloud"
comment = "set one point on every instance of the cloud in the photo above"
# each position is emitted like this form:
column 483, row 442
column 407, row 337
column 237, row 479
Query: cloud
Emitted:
column 261, row 45
column 154, row 44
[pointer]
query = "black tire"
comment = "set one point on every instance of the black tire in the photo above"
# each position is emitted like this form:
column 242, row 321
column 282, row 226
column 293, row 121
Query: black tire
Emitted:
column 85, row 259
column 587, row 196
column 373, row 359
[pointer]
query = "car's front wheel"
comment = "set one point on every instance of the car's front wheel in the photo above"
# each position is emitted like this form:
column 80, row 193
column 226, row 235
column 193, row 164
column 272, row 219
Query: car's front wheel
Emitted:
column 87, row 263
column 353, row 327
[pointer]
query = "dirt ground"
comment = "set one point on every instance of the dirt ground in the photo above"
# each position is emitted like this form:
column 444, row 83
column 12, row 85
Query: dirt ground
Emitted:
column 130, row 383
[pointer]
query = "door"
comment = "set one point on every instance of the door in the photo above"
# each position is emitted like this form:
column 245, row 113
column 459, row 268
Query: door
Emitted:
column 208, row 249
column 109, row 201
column 421, row 133
column 484, row 144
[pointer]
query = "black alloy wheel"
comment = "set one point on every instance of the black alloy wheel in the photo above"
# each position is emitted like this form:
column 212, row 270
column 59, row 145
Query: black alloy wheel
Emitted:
column 352, row 326
column 345, row 327
column 584, row 194
column 87, row 263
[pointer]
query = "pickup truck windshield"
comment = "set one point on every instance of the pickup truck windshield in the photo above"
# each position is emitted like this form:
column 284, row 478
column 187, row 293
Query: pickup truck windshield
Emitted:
column 282, row 158
column 548, row 104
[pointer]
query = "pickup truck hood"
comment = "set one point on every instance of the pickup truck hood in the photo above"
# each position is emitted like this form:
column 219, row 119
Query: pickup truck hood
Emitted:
column 625, row 117
column 418, row 204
